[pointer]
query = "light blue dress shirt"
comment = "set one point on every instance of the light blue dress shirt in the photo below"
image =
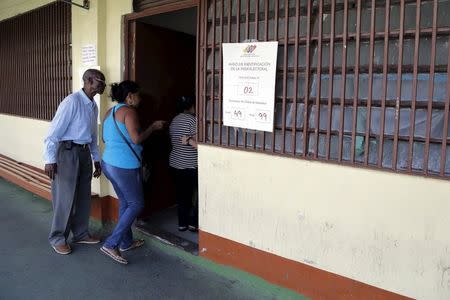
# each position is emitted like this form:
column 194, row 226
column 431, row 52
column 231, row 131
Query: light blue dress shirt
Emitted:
column 75, row 120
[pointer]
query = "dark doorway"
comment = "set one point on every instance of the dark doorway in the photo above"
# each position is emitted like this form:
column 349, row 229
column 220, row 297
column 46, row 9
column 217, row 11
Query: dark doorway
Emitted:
column 162, row 60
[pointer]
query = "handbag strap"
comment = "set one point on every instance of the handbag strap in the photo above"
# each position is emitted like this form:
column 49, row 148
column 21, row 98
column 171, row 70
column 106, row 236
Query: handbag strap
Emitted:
column 123, row 137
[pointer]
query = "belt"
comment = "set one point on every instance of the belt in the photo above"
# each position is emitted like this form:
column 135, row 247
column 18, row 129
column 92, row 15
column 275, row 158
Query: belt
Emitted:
column 72, row 144
column 83, row 146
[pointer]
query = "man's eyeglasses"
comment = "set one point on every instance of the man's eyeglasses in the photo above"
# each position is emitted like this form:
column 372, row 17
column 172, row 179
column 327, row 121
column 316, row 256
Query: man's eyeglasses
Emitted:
column 100, row 80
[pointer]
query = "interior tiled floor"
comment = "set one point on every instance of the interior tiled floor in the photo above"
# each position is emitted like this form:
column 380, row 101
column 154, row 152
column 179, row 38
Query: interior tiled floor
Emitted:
column 165, row 222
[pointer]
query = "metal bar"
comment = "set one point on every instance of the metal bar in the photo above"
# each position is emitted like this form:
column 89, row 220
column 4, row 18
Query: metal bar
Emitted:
column 238, row 22
column 412, row 116
column 331, row 80
column 205, row 69
column 220, row 71
column 277, row 8
column 39, row 54
column 247, row 16
column 28, row 65
column 60, row 55
column 307, row 73
column 18, row 70
column 85, row 4
column 49, row 67
column 343, row 80
column 266, row 38
column 45, row 66
column 230, row 7
column 266, row 20
column 399, row 85
column 213, row 74
column 378, row 35
column 256, row 38
column 8, row 62
column 356, row 81
column 294, row 101
column 247, row 19
column 385, row 70
column 68, row 48
column 198, row 79
column 26, row 39
column 20, row 108
column 446, row 112
column 53, row 62
column 430, row 90
column 369, row 100
column 276, row 19
column 55, row 57
column 11, row 68
column 319, row 80
column 285, row 66
column 59, row 16
column 256, row 19
column 13, row 105
column 24, row 100
column 2, row 63
column 238, row 39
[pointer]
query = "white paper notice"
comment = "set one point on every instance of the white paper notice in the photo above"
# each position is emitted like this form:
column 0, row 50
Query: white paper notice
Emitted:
column 249, row 71
column 89, row 55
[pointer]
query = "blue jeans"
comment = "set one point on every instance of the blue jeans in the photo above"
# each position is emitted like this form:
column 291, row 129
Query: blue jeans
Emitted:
column 128, row 186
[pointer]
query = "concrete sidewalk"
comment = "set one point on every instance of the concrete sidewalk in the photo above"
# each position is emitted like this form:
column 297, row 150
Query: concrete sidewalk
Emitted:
column 30, row 269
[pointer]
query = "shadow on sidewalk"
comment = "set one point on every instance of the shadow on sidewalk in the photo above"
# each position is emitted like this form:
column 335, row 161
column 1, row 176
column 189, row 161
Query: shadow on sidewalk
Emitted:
column 30, row 269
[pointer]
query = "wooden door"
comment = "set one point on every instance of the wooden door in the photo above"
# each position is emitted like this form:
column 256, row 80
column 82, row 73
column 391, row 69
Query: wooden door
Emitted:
column 164, row 67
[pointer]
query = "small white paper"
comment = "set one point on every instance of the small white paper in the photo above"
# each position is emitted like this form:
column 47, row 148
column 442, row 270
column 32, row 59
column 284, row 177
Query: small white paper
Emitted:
column 89, row 55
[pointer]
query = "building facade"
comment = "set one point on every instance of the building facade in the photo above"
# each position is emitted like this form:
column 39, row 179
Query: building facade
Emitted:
column 347, row 198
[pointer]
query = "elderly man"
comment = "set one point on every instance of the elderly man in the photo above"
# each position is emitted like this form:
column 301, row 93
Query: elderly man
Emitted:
column 70, row 142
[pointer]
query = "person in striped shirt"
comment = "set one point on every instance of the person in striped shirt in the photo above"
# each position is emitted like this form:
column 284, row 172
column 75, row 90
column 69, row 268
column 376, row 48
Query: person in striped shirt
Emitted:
column 183, row 162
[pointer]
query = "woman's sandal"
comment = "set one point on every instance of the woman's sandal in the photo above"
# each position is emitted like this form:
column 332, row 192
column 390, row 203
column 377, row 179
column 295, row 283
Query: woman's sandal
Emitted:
column 135, row 244
column 114, row 254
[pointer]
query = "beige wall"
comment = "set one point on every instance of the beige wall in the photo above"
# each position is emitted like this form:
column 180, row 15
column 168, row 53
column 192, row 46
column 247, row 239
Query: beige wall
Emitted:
column 22, row 139
column 114, row 51
column 384, row 229
column 100, row 25
column 11, row 8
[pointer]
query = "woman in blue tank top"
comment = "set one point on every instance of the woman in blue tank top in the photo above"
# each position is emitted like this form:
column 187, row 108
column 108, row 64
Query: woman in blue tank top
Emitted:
column 121, row 164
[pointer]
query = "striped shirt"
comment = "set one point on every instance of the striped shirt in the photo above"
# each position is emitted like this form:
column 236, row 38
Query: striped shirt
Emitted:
column 183, row 156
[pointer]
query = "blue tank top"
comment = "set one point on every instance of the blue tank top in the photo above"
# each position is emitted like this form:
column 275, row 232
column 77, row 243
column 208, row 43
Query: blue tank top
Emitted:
column 117, row 153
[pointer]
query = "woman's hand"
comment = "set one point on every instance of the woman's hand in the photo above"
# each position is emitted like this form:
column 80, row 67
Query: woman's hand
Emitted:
column 188, row 140
column 184, row 139
column 158, row 125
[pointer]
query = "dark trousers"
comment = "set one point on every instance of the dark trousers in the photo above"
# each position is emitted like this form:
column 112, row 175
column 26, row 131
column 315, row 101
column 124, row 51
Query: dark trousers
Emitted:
column 186, row 182
column 71, row 194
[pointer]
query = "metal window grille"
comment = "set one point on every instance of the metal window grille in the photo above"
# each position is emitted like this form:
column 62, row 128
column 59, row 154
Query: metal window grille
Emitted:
column 35, row 61
column 362, row 83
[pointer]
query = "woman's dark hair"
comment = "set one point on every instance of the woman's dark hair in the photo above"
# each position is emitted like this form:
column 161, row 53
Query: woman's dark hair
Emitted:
column 185, row 103
column 119, row 91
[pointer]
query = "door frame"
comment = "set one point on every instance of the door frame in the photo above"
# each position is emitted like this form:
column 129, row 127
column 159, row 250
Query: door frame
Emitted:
column 129, row 36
